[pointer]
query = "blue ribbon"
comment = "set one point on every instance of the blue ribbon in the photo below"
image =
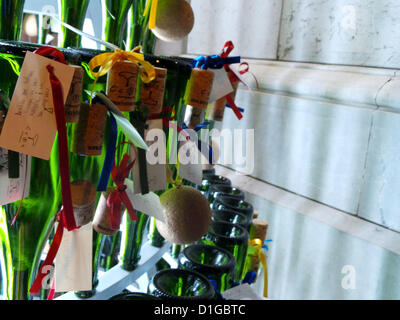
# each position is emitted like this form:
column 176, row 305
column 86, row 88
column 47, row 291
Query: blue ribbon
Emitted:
column 265, row 246
column 240, row 109
column 213, row 62
column 110, row 155
column 202, row 146
column 250, row 277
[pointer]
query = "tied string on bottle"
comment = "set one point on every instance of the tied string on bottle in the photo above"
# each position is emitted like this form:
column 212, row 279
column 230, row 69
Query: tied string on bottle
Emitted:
column 105, row 61
column 66, row 215
column 258, row 245
column 219, row 62
column 119, row 196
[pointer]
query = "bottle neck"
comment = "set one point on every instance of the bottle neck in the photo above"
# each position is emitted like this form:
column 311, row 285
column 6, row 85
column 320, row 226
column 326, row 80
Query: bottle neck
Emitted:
column 11, row 19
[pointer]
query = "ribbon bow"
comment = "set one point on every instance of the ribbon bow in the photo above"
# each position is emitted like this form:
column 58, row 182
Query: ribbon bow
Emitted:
column 213, row 62
column 258, row 245
column 153, row 12
column 119, row 196
column 105, row 61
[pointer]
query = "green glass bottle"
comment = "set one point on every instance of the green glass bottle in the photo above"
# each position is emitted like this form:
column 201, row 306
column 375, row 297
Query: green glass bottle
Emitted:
column 181, row 284
column 132, row 240
column 139, row 296
column 235, row 204
column 218, row 190
column 216, row 263
column 231, row 217
column 210, row 180
column 73, row 12
column 115, row 14
column 231, row 237
column 11, row 19
column 155, row 238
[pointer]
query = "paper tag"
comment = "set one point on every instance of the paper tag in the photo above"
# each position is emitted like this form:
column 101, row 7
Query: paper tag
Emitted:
column 148, row 203
column 156, row 173
column 12, row 190
column 235, row 69
column 221, row 85
column 190, row 167
column 74, row 260
column 30, row 125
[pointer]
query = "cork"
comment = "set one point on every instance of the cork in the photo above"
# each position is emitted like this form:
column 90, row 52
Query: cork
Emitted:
column 217, row 109
column 89, row 131
column 255, row 214
column 194, row 116
column 84, row 201
column 199, row 88
column 101, row 221
column 121, row 85
column 152, row 93
column 259, row 229
column 73, row 102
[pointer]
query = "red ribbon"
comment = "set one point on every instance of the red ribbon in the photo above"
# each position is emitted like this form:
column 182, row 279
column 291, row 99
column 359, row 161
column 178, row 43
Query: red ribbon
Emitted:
column 119, row 196
column 66, row 216
column 51, row 255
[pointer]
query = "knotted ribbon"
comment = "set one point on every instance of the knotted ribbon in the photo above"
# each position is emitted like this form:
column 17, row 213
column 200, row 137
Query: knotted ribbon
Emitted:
column 119, row 196
column 258, row 245
column 105, row 61
column 66, row 215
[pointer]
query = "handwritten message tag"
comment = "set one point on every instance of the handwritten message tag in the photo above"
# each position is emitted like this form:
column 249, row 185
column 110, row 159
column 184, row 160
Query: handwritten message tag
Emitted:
column 12, row 190
column 221, row 85
column 155, row 159
column 190, row 167
column 74, row 260
column 30, row 126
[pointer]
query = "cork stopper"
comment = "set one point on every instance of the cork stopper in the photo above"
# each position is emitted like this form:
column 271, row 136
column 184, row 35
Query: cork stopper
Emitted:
column 152, row 93
column 121, row 85
column 73, row 102
column 199, row 88
column 255, row 214
column 101, row 221
column 194, row 116
column 83, row 200
column 89, row 131
column 217, row 109
column 259, row 229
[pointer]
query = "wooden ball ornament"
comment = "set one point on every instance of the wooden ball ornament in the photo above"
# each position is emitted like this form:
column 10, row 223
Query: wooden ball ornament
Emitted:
column 175, row 20
column 187, row 215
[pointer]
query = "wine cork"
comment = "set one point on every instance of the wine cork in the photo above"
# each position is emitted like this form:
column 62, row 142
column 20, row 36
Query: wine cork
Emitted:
column 259, row 229
column 83, row 195
column 101, row 221
column 73, row 102
column 89, row 131
column 217, row 109
column 121, row 85
column 152, row 93
column 199, row 88
column 193, row 116
column 255, row 214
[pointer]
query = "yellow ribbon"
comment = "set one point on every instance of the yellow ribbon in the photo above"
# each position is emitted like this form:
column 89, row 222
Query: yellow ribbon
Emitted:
column 105, row 61
column 153, row 12
column 258, row 244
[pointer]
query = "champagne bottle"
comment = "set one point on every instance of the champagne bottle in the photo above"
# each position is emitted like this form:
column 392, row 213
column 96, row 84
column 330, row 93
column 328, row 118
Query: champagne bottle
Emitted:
column 11, row 19
column 139, row 296
column 132, row 240
column 231, row 217
column 216, row 263
column 234, row 204
column 231, row 237
column 218, row 190
column 73, row 12
column 210, row 180
column 181, row 284
column 115, row 14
